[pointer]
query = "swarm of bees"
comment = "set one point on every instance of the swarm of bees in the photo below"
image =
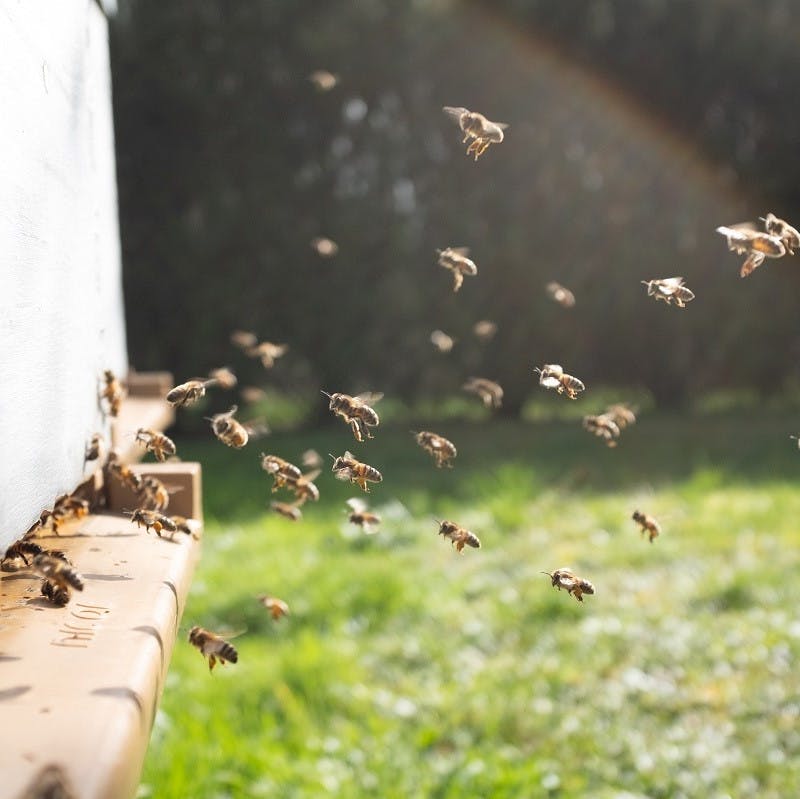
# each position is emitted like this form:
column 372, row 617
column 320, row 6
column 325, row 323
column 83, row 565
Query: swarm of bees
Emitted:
column 213, row 646
column 356, row 411
column 551, row 375
column 477, row 127
column 648, row 525
column 455, row 259
column 669, row 289
column 779, row 239
column 489, row 392
column 442, row 450
column 458, row 536
column 576, row 586
column 359, row 515
column 346, row 467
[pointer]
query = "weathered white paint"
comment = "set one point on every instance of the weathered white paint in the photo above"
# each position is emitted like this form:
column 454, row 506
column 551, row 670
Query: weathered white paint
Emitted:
column 61, row 312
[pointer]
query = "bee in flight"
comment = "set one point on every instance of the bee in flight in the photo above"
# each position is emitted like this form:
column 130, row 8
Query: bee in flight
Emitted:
column 276, row 607
column 563, row 296
column 124, row 474
column 94, row 449
column 143, row 517
column 287, row 510
column 323, row 80
column 484, row 330
column 783, row 230
column 458, row 536
column 603, row 427
column 442, row 450
column 212, row 646
column 442, row 341
column 744, row 239
column 190, row 392
column 490, row 393
column 621, row 414
column 361, row 516
column 670, row 289
column 233, row 433
column 311, row 459
column 325, row 248
column 356, row 411
column 281, row 470
column 648, row 525
column 346, row 467
column 576, row 586
column 154, row 494
column 225, row 377
column 455, row 259
column 551, row 375
column 59, row 576
column 304, row 487
column 477, row 127
column 112, row 392
column 155, row 442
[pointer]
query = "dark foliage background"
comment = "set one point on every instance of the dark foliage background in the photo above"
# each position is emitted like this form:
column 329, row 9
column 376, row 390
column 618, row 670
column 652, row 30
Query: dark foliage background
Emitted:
column 635, row 129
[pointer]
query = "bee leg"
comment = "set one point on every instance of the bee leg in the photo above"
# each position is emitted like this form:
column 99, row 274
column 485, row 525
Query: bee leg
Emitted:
column 157, row 528
column 354, row 426
column 212, row 661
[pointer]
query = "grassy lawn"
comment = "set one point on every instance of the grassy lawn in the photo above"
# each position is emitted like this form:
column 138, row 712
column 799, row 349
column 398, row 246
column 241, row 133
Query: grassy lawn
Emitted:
column 408, row 670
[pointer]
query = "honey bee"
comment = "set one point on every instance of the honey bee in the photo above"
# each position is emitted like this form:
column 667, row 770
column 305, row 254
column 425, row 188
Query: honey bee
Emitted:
column 323, row 80
column 243, row 339
column 622, row 415
column 490, row 393
column 290, row 511
column 224, row 377
column 189, row 392
column 65, row 507
column 155, row 442
column 669, row 289
column 228, row 430
column 648, row 524
column 311, row 459
column 442, row 341
column 59, row 576
column 268, row 352
column 758, row 246
column 442, row 450
column 563, row 296
column 458, row 536
column 152, row 518
column 603, row 427
column 356, row 411
column 276, row 607
column 282, row 471
column 361, row 516
column 94, row 449
column 455, row 259
column 485, row 330
column 477, row 127
column 154, row 493
column 253, row 394
column 551, row 375
column 326, row 248
column 123, row 473
column 212, row 646
column 112, row 392
column 346, row 467
column 576, row 586
column 783, row 230
column 304, row 488
column 21, row 550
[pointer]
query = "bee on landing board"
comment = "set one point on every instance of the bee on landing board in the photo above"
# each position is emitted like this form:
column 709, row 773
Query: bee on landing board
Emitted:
column 558, row 293
column 151, row 518
column 648, row 525
column 458, row 536
column 346, row 467
column 287, row 510
column 442, row 450
column 112, row 393
column 489, row 392
column 669, row 289
column 356, row 411
column 361, row 516
column 477, row 127
column 160, row 445
column 576, row 586
column 551, row 375
column 276, row 607
column 213, row 646
column 455, row 259
column 59, row 576
column 19, row 553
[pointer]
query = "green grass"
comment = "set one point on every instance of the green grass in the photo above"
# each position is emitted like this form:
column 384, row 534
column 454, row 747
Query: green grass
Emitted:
column 407, row 670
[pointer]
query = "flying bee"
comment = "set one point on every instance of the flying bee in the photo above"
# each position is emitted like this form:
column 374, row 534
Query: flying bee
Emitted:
column 94, row 449
column 603, row 427
column 20, row 550
column 267, row 352
column 356, row 411
column 112, row 392
column 155, row 442
column 152, row 518
column 252, row 394
column 304, row 488
column 346, row 467
column 189, row 392
column 669, row 289
column 622, row 415
column 212, row 646
column 648, row 524
column 124, row 474
column 232, row 432
column 551, row 375
column 442, row 450
column 458, row 536
column 485, row 330
column 154, row 493
column 442, row 341
column 758, row 246
column 455, row 259
column 325, row 248
column 576, row 586
column 558, row 293
column 311, row 459
column 224, row 377
column 244, row 339
column 477, row 127
column 282, row 471
column 287, row 510
column 276, row 607
column 59, row 577
column 490, row 393
column 783, row 230
column 361, row 516
column 323, row 80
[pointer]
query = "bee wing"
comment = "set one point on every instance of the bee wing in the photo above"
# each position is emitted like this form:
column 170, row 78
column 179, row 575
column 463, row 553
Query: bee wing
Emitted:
column 243, row 339
column 501, row 125
column 463, row 251
column 345, row 473
column 256, row 427
column 455, row 113
column 369, row 397
column 356, row 505
column 548, row 381
column 312, row 475
column 753, row 261
column 669, row 285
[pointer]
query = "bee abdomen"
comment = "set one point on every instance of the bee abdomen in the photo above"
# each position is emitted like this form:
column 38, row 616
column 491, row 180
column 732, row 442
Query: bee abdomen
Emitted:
column 229, row 653
column 373, row 475
column 473, row 541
